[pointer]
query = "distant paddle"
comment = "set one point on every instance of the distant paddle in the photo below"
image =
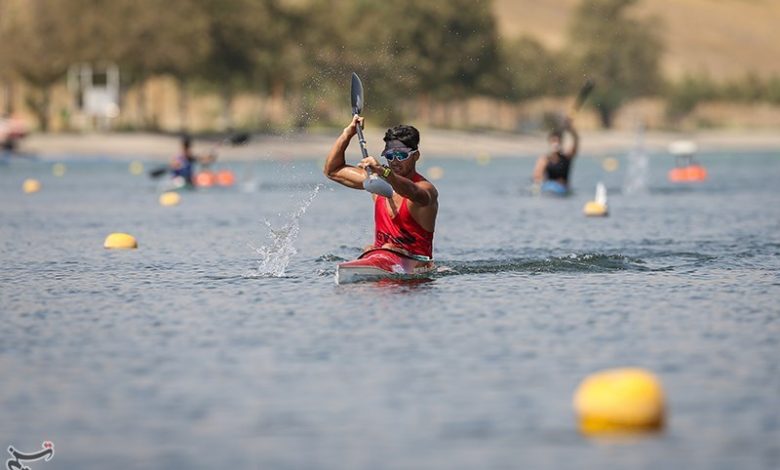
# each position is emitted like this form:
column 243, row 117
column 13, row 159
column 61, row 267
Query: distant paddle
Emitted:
column 240, row 138
column 373, row 183
column 587, row 87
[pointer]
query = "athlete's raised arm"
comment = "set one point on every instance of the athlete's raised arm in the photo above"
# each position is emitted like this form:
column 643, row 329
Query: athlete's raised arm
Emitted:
column 336, row 167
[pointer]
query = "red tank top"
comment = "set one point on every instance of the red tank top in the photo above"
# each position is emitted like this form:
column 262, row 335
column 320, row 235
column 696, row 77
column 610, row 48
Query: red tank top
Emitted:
column 402, row 231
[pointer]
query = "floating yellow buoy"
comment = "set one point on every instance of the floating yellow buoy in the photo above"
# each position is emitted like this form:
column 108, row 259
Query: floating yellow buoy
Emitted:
column 120, row 241
column 610, row 164
column 31, row 185
column 170, row 198
column 58, row 169
column 594, row 209
column 597, row 207
column 619, row 400
column 435, row 172
column 136, row 168
column 483, row 159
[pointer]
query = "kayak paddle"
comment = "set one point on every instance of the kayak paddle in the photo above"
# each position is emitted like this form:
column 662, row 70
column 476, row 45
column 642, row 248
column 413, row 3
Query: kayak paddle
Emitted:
column 582, row 96
column 373, row 183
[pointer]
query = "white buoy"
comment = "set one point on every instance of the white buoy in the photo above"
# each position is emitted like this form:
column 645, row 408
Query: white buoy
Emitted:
column 683, row 147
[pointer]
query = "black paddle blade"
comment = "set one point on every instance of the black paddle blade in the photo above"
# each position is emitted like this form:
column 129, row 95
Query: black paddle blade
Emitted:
column 584, row 92
column 158, row 172
column 357, row 94
column 239, row 139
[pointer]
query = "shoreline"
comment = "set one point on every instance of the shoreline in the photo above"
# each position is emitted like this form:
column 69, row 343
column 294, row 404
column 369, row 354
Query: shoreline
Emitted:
column 434, row 143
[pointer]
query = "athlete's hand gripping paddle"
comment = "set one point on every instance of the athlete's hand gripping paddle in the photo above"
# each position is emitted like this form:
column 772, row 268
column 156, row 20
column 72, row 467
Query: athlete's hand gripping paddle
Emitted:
column 373, row 183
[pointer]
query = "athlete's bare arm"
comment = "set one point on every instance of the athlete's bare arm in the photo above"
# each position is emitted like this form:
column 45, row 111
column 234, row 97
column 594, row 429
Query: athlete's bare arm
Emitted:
column 421, row 193
column 541, row 162
column 575, row 139
column 336, row 167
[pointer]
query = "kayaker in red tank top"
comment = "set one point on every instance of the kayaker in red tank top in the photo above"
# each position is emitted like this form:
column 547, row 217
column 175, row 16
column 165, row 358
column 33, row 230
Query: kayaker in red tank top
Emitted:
column 401, row 230
column 404, row 223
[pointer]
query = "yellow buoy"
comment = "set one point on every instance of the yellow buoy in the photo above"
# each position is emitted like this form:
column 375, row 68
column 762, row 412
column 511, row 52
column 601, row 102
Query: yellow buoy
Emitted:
column 597, row 207
column 620, row 400
column 594, row 209
column 483, row 159
column 58, row 169
column 31, row 185
column 610, row 164
column 170, row 198
column 136, row 168
column 435, row 173
column 120, row 241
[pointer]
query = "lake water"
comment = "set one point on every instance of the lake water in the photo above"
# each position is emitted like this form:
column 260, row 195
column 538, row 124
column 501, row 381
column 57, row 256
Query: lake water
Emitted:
column 223, row 341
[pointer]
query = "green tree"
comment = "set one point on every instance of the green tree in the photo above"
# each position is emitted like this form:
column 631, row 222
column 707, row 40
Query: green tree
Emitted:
column 534, row 71
column 41, row 48
column 621, row 53
column 683, row 96
column 153, row 37
column 451, row 48
column 438, row 50
column 234, row 32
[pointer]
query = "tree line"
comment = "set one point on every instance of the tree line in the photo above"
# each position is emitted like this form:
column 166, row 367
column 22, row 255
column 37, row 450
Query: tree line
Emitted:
column 420, row 51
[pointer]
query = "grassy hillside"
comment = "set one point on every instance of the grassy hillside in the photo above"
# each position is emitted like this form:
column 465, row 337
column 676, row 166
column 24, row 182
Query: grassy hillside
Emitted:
column 725, row 38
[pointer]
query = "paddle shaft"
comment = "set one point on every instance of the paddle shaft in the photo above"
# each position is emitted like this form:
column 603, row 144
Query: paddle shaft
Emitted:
column 581, row 97
column 362, row 141
column 372, row 183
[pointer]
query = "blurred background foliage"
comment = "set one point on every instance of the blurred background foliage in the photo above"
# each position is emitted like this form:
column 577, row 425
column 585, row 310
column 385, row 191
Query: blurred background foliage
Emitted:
column 281, row 64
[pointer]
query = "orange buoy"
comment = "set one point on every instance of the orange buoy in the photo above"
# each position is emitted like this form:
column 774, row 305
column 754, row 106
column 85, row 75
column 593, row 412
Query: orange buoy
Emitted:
column 205, row 179
column 677, row 175
column 688, row 174
column 225, row 178
column 696, row 173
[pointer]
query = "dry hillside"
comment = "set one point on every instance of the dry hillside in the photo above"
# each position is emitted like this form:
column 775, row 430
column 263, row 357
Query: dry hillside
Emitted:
column 726, row 38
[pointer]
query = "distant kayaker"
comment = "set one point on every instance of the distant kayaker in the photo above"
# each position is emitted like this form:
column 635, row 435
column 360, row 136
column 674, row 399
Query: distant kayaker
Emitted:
column 405, row 222
column 552, row 170
column 183, row 164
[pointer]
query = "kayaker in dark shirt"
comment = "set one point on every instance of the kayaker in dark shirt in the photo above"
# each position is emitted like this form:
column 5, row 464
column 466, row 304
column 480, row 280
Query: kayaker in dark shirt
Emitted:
column 183, row 164
column 556, row 165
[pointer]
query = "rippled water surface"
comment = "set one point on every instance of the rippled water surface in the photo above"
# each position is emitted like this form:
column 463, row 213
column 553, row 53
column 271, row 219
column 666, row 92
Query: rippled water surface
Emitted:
column 223, row 341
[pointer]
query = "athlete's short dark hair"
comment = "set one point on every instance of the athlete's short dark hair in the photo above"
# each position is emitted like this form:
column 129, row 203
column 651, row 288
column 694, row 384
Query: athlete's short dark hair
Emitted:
column 406, row 134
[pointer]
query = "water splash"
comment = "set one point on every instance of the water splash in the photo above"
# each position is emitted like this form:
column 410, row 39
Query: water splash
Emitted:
column 635, row 181
column 276, row 256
